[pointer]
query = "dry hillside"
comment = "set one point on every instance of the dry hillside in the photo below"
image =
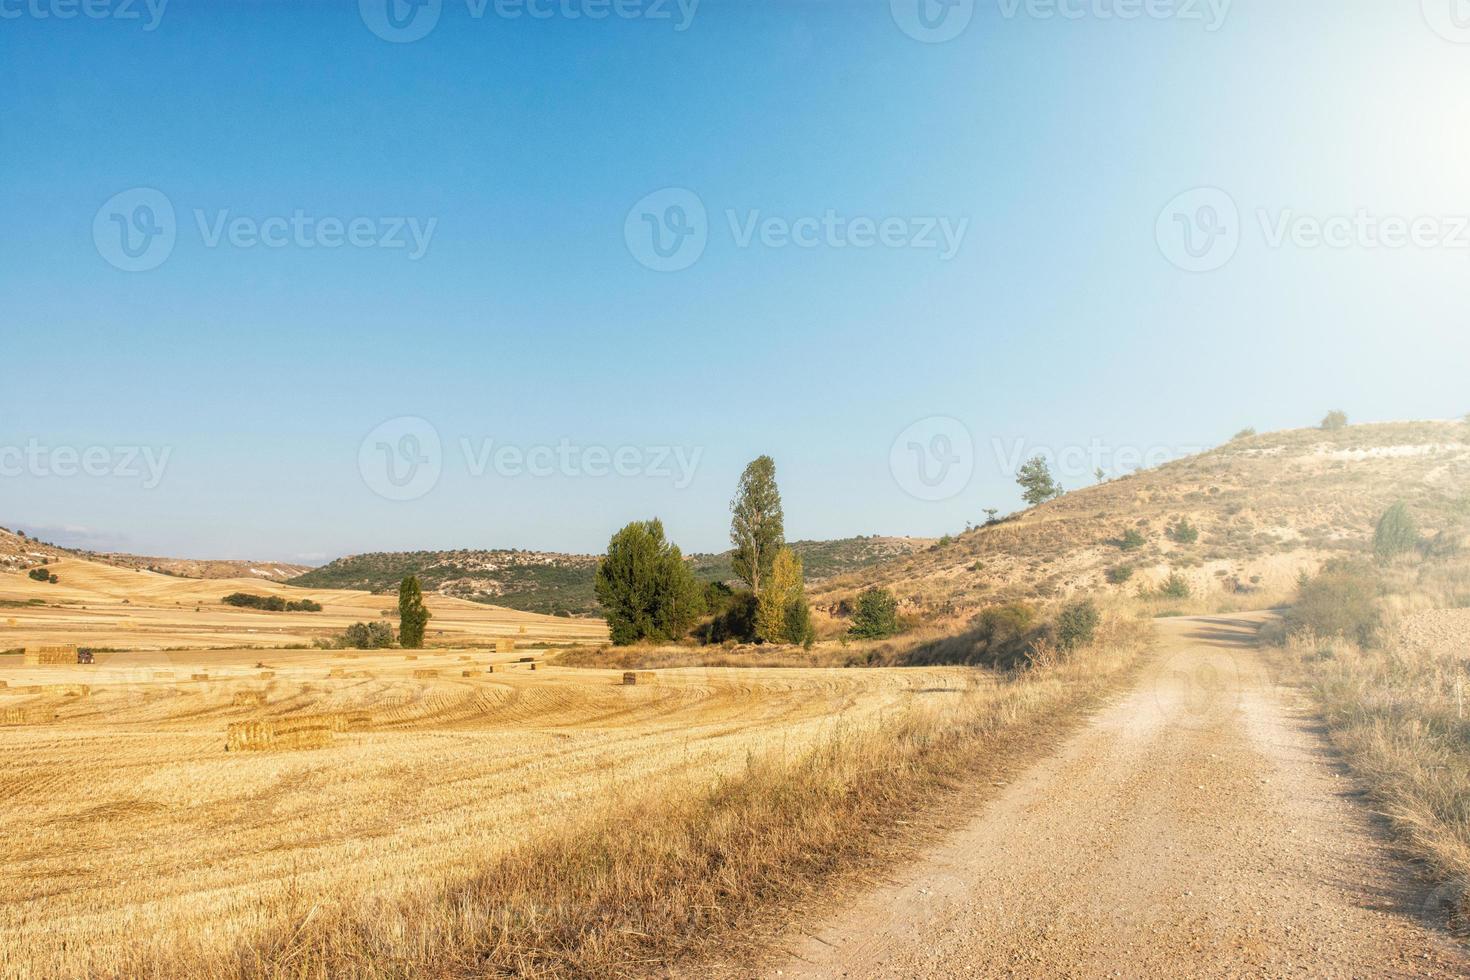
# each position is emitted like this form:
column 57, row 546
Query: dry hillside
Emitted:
column 1265, row 507
column 18, row 552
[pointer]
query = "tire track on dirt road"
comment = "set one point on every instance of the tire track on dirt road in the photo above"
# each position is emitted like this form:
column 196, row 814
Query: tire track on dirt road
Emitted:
column 1198, row 827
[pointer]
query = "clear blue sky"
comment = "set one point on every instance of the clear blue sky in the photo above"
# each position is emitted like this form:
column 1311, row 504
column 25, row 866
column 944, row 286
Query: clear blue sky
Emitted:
column 529, row 320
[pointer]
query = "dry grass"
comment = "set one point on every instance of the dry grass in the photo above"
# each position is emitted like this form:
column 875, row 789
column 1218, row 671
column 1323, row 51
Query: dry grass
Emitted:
column 469, row 825
column 1401, row 714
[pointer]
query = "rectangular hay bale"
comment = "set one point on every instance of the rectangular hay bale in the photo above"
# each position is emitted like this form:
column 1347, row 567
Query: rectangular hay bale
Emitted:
column 32, row 715
column 51, row 655
column 426, row 672
column 241, row 698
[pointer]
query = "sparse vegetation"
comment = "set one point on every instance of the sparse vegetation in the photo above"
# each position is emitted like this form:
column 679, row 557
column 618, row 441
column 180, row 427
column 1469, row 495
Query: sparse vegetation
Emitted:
column 1246, row 433
column 1341, row 601
column 1176, row 586
column 1118, row 574
column 1131, row 540
column 1334, row 420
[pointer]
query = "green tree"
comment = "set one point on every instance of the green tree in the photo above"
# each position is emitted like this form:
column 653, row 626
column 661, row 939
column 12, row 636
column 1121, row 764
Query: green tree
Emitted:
column 757, row 527
column 1077, row 624
column 1183, row 532
column 876, row 615
column 1396, row 533
column 1334, row 420
column 645, row 588
column 781, row 590
column 413, row 615
column 1037, row 485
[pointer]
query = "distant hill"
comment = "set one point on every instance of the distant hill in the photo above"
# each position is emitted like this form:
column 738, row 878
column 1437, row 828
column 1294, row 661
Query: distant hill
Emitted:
column 1265, row 508
column 18, row 552
column 551, row 582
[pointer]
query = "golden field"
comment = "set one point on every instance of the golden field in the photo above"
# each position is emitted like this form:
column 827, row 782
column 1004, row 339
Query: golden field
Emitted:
column 99, row 605
column 129, row 828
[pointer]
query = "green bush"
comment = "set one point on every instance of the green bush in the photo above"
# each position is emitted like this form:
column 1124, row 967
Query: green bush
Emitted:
column 367, row 636
column 1119, row 574
column 1131, row 540
column 1077, row 624
column 1396, row 533
column 1245, row 433
column 876, row 615
column 40, row 574
column 1183, row 532
column 1335, row 419
column 735, row 621
column 1343, row 600
column 1176, row 586
column 303, row 605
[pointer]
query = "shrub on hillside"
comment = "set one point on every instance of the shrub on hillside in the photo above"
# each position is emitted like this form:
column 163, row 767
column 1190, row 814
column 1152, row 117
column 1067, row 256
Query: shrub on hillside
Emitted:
column 876, row 615
column 1131, row 540
column 1077, row 624
column 1245, row 433
column 1342, row 600
column 1183, row 532
column 1334, row 420
column 245, row 600
column 1119, row 574
column 40, row 574
column 1176, row 586
column 303, row 605
column 1396, row 533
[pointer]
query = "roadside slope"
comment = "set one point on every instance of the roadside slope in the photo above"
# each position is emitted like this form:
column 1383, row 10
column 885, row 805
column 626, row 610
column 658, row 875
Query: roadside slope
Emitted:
column 1199, row 827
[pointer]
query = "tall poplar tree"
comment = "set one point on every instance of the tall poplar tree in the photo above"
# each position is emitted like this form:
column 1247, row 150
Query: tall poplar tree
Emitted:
column 757, row 527
column 413, row 615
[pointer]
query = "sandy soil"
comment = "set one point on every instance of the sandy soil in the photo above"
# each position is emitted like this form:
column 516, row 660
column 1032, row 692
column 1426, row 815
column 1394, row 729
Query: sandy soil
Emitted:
column 1200, row 827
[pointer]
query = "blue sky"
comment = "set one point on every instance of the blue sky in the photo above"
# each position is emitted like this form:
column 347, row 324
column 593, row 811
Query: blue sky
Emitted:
column 1061, row 152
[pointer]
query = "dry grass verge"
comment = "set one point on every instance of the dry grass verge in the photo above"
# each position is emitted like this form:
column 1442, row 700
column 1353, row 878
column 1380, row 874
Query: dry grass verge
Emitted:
column 680, row 877
column 1400, row 712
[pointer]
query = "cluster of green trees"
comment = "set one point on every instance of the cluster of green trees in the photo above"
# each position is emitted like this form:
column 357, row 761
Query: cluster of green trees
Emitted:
column 270, row 603
column 649, row 593
column 41, row 575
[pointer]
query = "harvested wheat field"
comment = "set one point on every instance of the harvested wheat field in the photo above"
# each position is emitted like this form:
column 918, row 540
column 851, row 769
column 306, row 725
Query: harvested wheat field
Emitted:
column 98, row 605
column 339, row 789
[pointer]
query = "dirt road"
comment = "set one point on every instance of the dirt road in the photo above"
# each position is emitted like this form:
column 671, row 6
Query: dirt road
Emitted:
column 1197, row 828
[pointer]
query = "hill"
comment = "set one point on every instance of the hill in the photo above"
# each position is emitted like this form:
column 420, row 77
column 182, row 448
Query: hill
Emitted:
column 19, row 552
column 1264, row 508
column 561, row 584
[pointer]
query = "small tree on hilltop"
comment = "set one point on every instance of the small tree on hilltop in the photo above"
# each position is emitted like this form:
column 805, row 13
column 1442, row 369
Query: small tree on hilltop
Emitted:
column 1037, row 485
column 645, row 588
column 757, row 526
column 1396, row 533
column 413, row 615
column 1335, row 419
